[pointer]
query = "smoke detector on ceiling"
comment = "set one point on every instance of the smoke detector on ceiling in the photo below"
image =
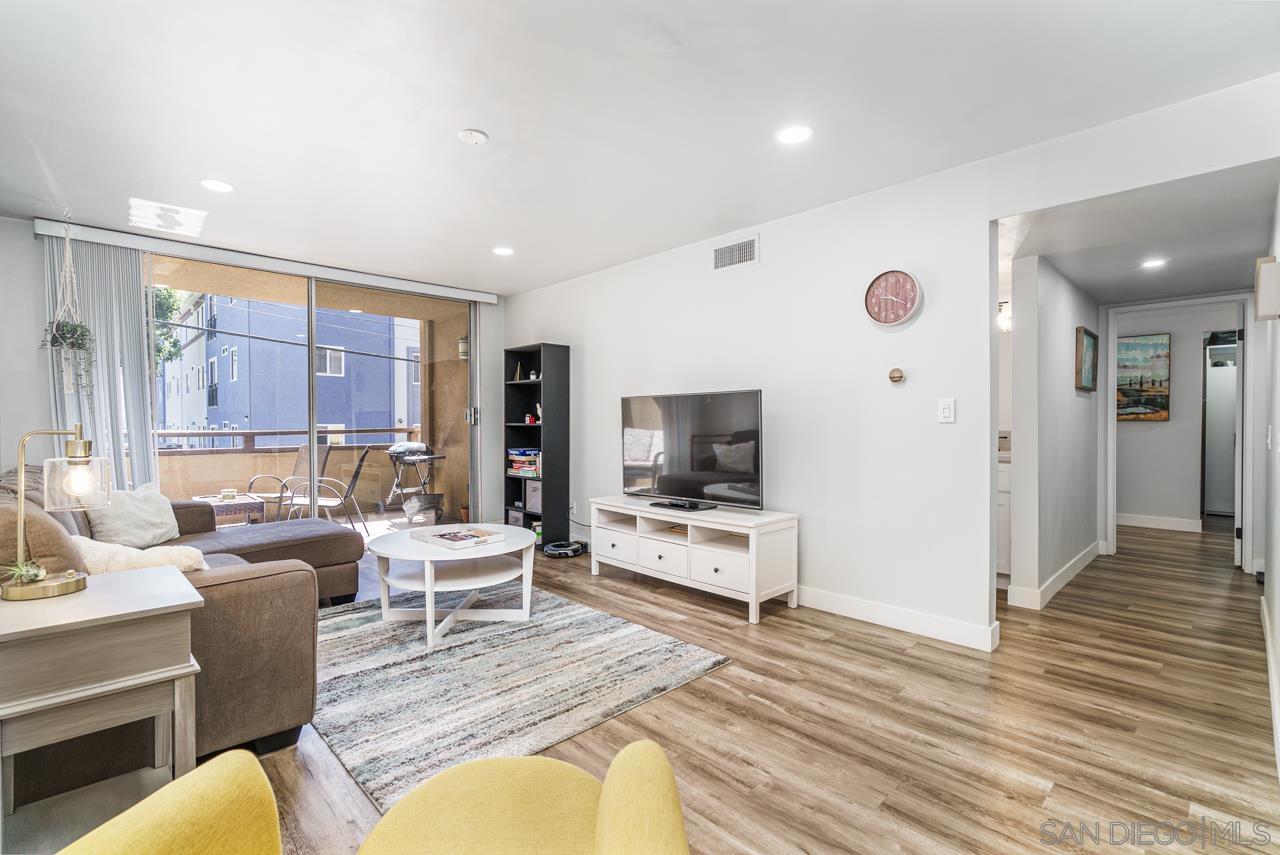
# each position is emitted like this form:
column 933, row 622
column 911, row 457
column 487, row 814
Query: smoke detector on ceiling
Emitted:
column 736, row 254
column 471, row 136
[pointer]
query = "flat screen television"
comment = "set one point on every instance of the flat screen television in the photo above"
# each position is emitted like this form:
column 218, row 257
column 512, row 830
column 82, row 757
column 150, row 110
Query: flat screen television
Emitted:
column 693, row 451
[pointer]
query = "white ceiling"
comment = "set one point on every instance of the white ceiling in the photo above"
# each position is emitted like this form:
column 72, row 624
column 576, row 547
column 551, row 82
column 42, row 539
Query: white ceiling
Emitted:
column 619, row 128
column 1210, row 228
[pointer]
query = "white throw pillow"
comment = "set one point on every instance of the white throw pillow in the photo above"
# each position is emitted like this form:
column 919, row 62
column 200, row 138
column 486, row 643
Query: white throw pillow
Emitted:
column 138, row 518
column 739, row 457
column 101, row 557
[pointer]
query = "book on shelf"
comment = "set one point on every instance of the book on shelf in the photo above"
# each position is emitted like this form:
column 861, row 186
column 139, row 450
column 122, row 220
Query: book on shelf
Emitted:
column 458, row 537
column 524, row 462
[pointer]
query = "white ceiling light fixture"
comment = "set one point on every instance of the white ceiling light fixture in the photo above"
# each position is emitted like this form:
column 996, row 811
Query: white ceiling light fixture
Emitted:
column 356, row 311
column 1153, row 263
column 217, row 185
column 503, row 250
column 173, row 219
column 473, row 136
column 794, row 134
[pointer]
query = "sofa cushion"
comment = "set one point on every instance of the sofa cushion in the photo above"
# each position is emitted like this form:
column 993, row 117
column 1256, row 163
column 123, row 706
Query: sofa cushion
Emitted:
column 47, row 543
column 223, row 559
column 316, row 542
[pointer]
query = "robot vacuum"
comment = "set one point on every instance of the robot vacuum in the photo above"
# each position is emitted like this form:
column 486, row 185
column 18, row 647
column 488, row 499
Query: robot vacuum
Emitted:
column 563, row 549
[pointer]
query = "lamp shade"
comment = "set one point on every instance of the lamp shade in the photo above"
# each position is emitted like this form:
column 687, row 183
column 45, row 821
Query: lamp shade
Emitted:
column 76, row 483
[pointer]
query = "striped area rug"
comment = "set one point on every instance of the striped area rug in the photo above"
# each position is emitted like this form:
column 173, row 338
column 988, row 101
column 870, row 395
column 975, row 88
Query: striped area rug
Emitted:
column 395, row 714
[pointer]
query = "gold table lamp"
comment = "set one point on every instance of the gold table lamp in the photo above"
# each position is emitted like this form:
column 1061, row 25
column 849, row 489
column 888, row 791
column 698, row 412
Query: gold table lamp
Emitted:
column 75, row 482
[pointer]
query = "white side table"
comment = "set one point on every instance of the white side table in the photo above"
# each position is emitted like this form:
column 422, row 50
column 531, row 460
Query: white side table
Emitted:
column 446, row 569
column 116, row 652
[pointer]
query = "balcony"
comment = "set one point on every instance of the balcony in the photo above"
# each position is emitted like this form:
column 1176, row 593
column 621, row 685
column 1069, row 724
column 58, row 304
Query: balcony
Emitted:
column 203, row 462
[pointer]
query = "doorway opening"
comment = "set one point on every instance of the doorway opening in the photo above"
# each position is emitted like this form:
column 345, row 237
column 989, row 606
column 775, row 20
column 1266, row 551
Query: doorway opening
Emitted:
column 1220, row 418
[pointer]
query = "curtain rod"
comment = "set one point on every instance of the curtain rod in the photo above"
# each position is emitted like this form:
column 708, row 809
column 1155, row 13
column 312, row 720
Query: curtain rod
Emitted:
column 200, row 252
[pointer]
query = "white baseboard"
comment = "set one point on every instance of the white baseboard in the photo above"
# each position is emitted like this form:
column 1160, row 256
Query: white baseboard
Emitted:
column 974, row 635
column 1169, row 523
column 1037, row 598
column 1273, row 685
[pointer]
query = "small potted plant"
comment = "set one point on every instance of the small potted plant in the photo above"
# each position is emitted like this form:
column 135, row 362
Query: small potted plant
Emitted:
column 74, row 340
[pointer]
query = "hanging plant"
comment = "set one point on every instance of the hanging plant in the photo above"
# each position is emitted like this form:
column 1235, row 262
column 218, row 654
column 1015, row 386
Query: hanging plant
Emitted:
column 73, row 340
column 68, row 336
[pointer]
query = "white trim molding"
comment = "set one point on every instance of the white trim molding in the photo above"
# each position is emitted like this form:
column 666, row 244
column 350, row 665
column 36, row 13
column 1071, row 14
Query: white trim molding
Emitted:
column 200, row 252
column 1273, row 685
column 976, row 636
column 1167, row 523
column 1038, row 598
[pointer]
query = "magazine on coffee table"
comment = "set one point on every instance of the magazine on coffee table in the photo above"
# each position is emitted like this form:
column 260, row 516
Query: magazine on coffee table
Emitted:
column 458, row 538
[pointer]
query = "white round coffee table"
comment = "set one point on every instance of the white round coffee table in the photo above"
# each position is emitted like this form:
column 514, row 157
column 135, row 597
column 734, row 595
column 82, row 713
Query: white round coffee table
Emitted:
column 444, row 569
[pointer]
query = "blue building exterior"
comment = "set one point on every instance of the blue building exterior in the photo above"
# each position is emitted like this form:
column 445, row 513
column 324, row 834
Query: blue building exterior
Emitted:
column 255, row 371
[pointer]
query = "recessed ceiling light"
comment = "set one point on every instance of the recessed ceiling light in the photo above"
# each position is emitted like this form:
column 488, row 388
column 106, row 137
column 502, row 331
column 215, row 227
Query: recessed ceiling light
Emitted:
column 794, row 134
column 1152, row 263
column 217, row 185
column 356, row 311
column 503, row 250
column 472, row 136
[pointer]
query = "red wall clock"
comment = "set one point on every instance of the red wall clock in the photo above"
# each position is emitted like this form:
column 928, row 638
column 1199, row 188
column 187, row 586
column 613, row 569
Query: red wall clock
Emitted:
column 892, row 298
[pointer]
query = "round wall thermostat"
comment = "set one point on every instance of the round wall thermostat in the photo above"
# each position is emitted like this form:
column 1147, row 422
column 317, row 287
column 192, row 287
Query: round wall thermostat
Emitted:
column 896, row 376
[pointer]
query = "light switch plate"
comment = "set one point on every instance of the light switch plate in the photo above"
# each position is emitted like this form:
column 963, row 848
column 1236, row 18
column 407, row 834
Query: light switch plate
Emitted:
column 947, row 411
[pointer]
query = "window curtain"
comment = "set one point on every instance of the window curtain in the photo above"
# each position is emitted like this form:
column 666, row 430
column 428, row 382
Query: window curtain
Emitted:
column 116, row 412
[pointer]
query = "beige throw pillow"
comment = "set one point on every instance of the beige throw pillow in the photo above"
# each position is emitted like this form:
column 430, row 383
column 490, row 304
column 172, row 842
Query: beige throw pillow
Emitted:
column 48, row 544
column 139, row 518
column 101, row 557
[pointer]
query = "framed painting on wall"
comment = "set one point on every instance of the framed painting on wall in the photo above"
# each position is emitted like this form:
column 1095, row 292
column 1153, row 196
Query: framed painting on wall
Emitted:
column 1142, row 378
column 1086, row 360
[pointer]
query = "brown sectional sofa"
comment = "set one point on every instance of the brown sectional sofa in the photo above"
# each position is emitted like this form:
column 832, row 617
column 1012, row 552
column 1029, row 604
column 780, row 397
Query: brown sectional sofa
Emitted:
column 255, row 640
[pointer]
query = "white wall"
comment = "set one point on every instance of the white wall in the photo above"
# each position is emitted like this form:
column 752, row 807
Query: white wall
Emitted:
column 1270, row 519
column 24, row 370
column 1220, row 431
column 1055, row 459
column 487, row 344
column 1005, row 420
column 895, row 508
column 1158, row 463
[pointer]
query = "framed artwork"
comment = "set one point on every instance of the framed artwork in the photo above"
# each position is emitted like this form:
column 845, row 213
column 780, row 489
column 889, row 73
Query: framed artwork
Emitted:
column 1086, row 360
column 1142, row 378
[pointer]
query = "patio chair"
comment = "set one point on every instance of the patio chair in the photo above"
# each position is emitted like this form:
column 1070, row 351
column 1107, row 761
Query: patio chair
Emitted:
column 332, row 494
column 284, row 487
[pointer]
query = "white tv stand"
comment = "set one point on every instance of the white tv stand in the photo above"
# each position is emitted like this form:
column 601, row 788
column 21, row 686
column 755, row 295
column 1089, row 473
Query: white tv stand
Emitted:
column 738, row 553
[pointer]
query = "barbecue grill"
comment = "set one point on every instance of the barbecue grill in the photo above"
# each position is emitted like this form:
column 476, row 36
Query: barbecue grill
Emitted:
column 418, row 504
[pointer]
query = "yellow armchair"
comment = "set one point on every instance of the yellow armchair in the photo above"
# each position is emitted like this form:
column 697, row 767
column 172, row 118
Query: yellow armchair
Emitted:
column 224, row 807
column 501, row 806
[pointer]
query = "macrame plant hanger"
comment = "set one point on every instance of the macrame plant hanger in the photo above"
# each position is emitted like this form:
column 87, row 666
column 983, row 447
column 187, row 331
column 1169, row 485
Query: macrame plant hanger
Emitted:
column 67, row 335
column 68, row 294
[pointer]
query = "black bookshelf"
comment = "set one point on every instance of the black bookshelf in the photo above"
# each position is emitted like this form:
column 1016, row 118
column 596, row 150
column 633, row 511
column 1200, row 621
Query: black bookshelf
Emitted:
column 550, row 435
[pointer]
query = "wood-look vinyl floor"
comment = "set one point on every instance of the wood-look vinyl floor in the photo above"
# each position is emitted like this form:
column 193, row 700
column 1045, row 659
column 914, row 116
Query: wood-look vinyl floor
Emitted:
column 1139, row 694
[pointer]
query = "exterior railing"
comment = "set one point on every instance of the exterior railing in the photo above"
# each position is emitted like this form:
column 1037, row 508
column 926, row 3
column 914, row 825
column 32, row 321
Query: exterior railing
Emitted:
column 248, row 439
column 188, row 472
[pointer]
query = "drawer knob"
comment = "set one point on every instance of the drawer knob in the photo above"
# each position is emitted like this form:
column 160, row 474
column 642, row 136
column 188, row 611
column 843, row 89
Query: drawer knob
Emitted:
column 659, row 556
column 715, row 569
column 613, row 546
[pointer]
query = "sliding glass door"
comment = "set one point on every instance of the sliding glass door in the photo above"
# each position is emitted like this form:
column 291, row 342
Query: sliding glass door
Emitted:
column 241, row 390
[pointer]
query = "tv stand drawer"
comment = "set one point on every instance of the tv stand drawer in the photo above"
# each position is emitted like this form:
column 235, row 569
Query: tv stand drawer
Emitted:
column 663, row 556
column 723, row 569
column 615, row 544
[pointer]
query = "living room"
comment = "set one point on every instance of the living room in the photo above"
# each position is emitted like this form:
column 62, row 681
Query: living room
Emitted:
column 685, row 322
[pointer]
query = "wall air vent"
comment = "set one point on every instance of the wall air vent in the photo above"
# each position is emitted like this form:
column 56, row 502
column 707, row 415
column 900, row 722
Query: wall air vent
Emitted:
column 743, row 252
